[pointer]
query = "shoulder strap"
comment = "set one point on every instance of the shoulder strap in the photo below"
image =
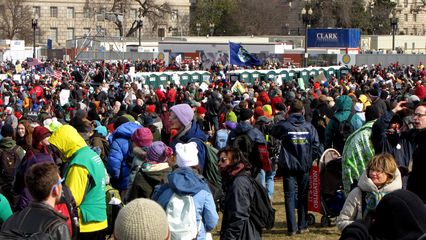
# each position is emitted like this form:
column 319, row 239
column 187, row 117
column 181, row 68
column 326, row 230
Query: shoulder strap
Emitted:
column 350, row 116
column 363, row 202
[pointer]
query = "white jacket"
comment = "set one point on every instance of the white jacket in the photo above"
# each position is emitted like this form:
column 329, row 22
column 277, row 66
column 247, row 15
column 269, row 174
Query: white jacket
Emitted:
column 352, row 209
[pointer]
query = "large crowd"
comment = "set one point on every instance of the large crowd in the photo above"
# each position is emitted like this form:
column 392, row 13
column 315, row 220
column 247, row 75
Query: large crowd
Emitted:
column 86, row 151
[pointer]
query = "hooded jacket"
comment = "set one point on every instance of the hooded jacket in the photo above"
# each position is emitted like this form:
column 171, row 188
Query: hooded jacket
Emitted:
column 196, row 133
column 117, row 164
column 246, row 128
column 85, row 176
column 352, row 209
column 343, row 110
column 300, row 143
column 417, row 177
column 184, row 181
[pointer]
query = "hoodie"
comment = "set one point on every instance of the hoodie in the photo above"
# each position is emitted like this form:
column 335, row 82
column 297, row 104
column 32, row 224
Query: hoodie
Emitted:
column 184, row 181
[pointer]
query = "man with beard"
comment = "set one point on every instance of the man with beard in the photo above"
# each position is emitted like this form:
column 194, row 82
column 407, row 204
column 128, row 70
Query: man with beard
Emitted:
column 45, row 185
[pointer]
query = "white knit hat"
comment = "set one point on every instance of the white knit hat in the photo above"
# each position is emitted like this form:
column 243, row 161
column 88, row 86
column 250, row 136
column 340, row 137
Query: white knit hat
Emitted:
column 186, row 154
column 358, row 107
column 141, row 219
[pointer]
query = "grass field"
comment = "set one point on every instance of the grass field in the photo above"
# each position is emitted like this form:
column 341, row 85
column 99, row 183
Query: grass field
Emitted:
column 280, row 229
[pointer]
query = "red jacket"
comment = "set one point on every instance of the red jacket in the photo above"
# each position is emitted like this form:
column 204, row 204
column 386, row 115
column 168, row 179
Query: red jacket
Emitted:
column 171, row 95
column 420, row 92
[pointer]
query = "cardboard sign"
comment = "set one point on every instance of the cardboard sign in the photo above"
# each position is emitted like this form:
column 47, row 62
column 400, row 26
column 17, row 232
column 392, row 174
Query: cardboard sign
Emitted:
column 314, row 199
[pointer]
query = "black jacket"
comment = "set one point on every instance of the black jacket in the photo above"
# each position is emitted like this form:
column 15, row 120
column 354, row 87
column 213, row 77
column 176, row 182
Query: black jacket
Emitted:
column 417, row 178
column 236, row 223
column 38, row 218
column 300, row 143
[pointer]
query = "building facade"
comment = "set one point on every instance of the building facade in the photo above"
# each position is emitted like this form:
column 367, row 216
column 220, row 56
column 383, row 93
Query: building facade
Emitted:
column 66, row 20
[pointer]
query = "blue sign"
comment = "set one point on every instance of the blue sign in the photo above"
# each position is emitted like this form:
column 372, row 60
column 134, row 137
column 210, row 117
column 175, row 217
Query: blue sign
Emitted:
column 334, row 38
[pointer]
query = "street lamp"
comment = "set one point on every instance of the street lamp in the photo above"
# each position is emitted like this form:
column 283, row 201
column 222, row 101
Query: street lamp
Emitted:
column 394, row 23
column 306, row 18
column 140, row 25
column 34, row 23
column 198, row 27
column 211, row 27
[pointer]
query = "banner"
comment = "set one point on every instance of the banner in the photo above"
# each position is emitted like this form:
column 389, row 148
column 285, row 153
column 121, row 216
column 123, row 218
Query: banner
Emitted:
column 334, row 38
column 241, row 57
column 314, row 199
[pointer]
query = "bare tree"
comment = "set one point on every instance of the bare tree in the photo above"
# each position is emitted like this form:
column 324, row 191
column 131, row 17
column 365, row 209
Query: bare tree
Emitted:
column 148, row 10
column 15, row 20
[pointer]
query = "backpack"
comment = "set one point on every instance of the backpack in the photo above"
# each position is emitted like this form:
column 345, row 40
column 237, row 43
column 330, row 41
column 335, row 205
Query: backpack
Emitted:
column 221, row 138
column 262, row 214
column 9, row 160
column 17, row 235
column 344, row 130
column 113, row 207
column 181, row 215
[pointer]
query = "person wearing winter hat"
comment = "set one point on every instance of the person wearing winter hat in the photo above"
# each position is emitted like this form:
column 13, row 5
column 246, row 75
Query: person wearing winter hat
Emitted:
column 186, row 180
column 153, row 171
column 7, row 143
column 142, row 137
column 141, row 219
column 187, row 130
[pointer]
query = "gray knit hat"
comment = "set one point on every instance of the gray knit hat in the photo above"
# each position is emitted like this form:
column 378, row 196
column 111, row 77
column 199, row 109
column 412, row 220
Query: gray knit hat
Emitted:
column 141, row 219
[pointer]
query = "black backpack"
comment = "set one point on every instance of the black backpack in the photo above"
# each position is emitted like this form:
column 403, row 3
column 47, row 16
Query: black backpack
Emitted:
column 9, row 160
column 344, row 130
column 262, row 214
column 244, row 144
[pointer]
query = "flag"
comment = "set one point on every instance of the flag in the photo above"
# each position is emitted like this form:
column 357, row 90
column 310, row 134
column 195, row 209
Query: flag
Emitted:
column 241, row 57
column 57, row 75
column 237, row 87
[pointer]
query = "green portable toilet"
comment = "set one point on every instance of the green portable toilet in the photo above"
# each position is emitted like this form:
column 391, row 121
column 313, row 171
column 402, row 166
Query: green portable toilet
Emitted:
column 324, row 70
column 233, row 76
column 163, row 78
column 195, row 76
column 292, row 74
column 284, row 74
column 304, row 74
column 205, row 77
column 270, row 75
column 184, row 78
column 313, row 72
column 255, row 75
column 344, row 71
column 245, row 76
column 151, row 80
column 331, row 72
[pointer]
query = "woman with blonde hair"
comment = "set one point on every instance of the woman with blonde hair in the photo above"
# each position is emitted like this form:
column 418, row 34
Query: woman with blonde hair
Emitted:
column 380, row 177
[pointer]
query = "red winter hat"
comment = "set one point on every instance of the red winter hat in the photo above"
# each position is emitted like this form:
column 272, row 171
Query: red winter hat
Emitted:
column 40, row 133
column 142, row 137
column 201, row 110
column 150, row 108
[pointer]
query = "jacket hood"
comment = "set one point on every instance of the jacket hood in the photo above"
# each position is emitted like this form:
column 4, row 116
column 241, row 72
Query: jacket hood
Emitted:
column 296, row 119
column 400, row 215
column 125, row 130
column 67, row 140
column 343, row 103
column 184, row 181
column 195, row 132
column 365, row 183
column 243, row 127
column 7, row 143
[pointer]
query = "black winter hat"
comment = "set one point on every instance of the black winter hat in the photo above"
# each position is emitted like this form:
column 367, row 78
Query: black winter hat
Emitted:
column 245, row 114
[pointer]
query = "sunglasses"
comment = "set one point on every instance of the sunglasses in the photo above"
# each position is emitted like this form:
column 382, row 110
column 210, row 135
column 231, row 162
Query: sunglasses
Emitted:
column 57, row 184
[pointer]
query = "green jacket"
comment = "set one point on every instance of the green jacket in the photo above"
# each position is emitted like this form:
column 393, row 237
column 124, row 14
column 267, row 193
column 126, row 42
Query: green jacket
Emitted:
column 5, row 210
column 9, row 143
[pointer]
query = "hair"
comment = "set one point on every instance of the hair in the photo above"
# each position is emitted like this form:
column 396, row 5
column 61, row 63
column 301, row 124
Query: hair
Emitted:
column 384, row 162
column 236, row 155
column 28, row 131
column 40, row 178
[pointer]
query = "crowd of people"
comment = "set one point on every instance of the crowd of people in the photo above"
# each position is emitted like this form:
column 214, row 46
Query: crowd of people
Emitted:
column 72, row 130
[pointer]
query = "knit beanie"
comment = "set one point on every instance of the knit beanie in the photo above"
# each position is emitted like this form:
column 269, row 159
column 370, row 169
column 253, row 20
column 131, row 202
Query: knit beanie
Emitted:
column 40, row 133
column 7, row 131
column 267, row 109
column 231, row 116
column 186, row 154
column 258, row 111
column 150, row 108
column 201, row 110
column 184, row 113
column 119, row 121
column 142, row 137
column 158, row 152
column 141, row 219
column 231, row 125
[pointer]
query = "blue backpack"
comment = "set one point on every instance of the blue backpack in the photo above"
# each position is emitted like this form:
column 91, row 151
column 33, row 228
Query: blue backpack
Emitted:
column 221, row 138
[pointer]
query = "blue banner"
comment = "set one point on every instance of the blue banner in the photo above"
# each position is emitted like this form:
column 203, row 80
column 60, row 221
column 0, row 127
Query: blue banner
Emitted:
column 241, row 57
column 334, row 38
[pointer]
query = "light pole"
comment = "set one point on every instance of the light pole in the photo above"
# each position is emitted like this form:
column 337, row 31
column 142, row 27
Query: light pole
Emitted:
column 211, row 27
column 394, row 23
column 198, row 27
column 34, row 23
column 306, row 18
column 140, row 25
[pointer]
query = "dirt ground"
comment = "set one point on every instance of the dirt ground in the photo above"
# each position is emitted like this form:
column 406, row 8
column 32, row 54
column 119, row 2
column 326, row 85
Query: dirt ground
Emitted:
column 280, row 229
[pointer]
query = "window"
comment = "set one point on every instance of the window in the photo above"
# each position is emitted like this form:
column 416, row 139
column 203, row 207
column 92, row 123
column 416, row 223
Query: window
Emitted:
column 406, row 17
column 86, row 12
column 70, row 12
column 54, row 12
column 414, row 17
column 54, row 34
column 405, row 3
column 70, row 33
column 36, row 11
column 86, row 31
column 174, row 14
column 161, row 32
column 38, row 35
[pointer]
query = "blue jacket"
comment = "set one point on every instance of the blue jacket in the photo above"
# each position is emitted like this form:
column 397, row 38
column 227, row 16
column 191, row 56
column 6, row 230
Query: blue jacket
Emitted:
column 246, row 128
column 117, row 166
column 184, row 181
column 300, row 143
column 194, row 132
